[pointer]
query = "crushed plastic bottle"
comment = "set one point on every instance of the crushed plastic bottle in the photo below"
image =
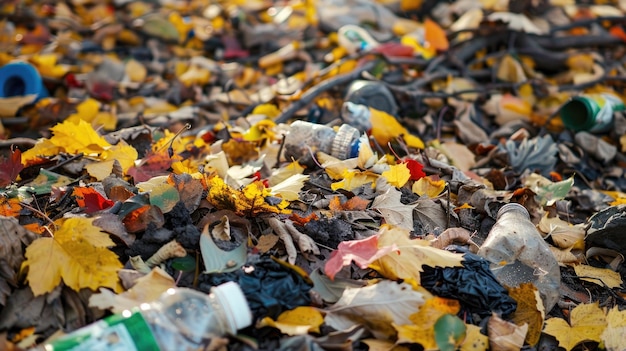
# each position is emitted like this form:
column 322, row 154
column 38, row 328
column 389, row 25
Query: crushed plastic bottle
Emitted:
column 305, row 139
column 181, row 319
column 518, row 254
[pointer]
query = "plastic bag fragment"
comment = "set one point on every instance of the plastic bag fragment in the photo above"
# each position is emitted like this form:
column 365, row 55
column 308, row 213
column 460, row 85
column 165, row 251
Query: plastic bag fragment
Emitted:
column 270, row 288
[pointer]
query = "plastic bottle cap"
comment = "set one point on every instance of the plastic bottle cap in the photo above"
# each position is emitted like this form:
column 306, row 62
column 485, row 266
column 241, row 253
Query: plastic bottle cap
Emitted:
column 235, row 305
column 342, row 144
column 513, row 206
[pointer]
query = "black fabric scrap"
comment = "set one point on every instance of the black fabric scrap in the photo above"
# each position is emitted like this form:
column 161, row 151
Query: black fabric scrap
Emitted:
column 474, row 285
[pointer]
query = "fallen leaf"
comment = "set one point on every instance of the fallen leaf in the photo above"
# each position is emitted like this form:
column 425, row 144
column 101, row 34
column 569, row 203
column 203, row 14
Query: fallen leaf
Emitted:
column 505, row 336
column 289, row 189
column 530, row 310
column 613, row 335
column 449, row 332
column 407, row 261
column 587, row 323
column 395, row 212
column 147, row 288
column 78, row 254
column 352, row 179
column 386, row 129
column 362, row 252
column 600, row 276
column 435, row 35
column 397, row 175
column 376, row 307
column 564, row 235
column 474, row 339
column 331, row 290
column 299, row 321
column 547, row 191
column 91, row 200
column 10, row 167
column 422, row 329
column 429, row 187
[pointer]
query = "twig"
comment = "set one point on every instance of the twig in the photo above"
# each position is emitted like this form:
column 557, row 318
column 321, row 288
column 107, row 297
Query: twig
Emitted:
column 18, row 141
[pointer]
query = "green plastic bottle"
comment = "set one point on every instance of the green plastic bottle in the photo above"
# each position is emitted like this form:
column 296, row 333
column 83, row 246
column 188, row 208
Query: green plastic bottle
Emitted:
column 590, row 112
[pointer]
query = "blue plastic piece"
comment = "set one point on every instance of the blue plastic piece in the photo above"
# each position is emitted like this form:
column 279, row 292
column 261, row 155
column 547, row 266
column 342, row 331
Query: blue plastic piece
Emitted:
column 20, row 79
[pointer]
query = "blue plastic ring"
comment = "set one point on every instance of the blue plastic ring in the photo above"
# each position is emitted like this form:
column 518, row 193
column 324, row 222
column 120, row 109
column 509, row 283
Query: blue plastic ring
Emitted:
column 20, row 79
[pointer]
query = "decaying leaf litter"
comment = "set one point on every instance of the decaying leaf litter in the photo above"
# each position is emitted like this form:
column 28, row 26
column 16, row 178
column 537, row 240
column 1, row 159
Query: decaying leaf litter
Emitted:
column 155, row 153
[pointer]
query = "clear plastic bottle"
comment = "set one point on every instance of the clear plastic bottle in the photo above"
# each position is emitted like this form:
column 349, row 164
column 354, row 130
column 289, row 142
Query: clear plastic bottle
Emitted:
column 181, row 319
column 518, row 254
column 305, row 139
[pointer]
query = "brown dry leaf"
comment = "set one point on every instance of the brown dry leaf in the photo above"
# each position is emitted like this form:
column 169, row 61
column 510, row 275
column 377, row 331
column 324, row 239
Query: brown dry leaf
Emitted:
column 395, row 212
column 510, row 70
column 11, row 253
column 598, row 276
column 565, row 256
column 613, row 335
column 266, row 242
column 376, row 307
column 530, row 310
column 407, row 264
column 505, row 336
column 563, row 234
column 146, row 289
column 587, row 323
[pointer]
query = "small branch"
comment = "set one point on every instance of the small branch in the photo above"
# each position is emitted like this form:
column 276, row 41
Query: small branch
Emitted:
column 305, row 242
column 18, row 141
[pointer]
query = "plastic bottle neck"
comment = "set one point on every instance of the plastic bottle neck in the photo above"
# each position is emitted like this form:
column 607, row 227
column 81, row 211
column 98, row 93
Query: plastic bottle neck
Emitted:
column 513, row 208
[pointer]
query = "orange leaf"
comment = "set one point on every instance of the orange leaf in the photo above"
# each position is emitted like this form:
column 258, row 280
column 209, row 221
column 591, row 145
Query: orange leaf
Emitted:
column 356, row 204
column 435, row 35
column 10, row 207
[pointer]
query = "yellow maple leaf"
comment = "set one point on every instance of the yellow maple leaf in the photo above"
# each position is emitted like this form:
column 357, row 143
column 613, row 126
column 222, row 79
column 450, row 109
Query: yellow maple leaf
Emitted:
column 123, row 153
column 613, row 335
column 398, row 175
column 530, row 310
column 587, row 322
column 406, row 263
column 77, row 137
column 422, row 331
column 429, row 187
column 299, row 321
column 386, row 128
column 78, row 254
column 89, row 111
column 353, row 179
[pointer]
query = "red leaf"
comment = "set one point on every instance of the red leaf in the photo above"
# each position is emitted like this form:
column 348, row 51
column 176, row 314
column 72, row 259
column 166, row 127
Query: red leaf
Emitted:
column 91, row 200
column 415, row 168
column 362, row 252
column 10, row 167
column 152, row 165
